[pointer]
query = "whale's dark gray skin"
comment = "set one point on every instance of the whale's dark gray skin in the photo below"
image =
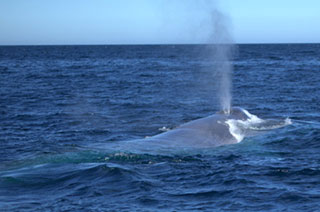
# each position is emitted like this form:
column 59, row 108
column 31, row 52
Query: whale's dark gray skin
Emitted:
column 204, row 133
column 210, row 131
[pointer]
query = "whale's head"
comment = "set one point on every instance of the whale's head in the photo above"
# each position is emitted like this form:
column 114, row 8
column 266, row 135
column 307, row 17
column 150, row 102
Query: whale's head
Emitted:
column 236, row 113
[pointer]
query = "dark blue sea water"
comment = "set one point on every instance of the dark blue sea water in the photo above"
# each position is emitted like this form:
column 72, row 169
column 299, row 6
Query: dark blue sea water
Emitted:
column 59, row 104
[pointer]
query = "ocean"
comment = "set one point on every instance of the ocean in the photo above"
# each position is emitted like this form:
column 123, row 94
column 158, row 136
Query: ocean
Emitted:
column 63, row 107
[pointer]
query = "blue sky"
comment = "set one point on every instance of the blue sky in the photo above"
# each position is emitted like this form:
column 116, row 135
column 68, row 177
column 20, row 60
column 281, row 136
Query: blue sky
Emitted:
column 32, row 22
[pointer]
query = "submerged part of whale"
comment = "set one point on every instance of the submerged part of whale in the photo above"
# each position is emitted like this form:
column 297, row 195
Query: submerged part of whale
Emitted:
column 212, row 131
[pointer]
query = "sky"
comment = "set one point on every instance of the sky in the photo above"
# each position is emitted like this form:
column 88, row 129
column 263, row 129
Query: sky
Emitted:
column 51, row 22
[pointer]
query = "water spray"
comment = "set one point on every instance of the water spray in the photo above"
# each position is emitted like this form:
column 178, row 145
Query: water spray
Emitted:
column 222, row 47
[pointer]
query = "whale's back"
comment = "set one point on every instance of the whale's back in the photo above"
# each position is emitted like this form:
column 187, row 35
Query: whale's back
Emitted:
column 205, row 132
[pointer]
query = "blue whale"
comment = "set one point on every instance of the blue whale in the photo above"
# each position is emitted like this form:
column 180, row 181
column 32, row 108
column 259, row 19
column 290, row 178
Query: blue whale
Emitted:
column 215, row 130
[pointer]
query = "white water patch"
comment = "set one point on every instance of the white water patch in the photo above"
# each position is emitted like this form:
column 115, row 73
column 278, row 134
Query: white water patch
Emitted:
column 235, row 131
column 164, row 129
column 242, row 128
column 271, row 124
column 252, row 118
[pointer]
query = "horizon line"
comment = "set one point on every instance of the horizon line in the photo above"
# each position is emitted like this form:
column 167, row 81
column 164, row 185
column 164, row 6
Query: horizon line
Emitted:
column 160, row 44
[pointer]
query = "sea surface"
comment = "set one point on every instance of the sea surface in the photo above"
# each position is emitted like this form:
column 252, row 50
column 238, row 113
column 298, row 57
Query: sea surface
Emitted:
column 61, row 107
